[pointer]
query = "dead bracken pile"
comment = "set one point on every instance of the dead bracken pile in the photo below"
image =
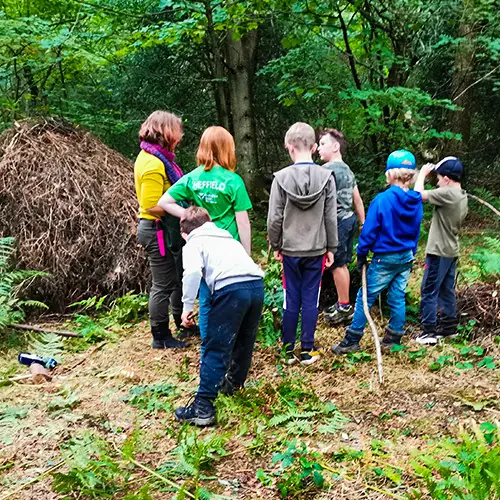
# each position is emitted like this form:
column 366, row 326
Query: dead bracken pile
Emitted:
column 480, row 302
column 69, row 201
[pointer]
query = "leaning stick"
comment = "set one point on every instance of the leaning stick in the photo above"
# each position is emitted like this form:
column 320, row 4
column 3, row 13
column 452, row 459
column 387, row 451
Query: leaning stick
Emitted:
column 366, row 310
column 36, row 479
column 62, row 333
column 485, row 203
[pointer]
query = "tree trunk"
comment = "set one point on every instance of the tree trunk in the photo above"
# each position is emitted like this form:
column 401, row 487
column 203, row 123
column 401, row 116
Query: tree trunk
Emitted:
column 241, row 62
column 463, row 77
column 218, row 74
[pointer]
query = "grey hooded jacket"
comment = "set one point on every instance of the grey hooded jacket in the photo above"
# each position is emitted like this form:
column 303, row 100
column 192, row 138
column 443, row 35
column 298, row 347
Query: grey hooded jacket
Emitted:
column 302, row 217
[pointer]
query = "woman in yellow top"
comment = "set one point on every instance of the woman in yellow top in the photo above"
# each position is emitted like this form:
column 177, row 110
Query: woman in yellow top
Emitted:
column 154, row 172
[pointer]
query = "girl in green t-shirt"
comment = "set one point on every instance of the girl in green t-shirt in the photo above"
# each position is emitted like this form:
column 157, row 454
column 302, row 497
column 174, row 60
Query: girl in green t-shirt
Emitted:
column 216, row 187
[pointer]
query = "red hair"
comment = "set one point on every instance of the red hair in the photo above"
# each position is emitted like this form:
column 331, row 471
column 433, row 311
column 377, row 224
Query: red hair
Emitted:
column 216, row 148
column 163, row 128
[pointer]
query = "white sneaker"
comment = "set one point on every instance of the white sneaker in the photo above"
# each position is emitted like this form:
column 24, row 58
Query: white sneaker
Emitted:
column 428, row 339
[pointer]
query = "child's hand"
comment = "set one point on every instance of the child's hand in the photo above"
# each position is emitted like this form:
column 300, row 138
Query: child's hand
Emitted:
column 427, row 168
column 278, row 256
column 187, row 319
column 329, row 259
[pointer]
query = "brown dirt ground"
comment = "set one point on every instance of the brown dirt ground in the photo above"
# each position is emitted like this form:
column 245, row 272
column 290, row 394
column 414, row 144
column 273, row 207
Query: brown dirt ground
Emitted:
column 412, row 408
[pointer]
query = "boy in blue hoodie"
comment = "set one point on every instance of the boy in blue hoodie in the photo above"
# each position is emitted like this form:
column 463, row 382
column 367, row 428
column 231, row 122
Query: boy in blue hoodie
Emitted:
column 391, row 232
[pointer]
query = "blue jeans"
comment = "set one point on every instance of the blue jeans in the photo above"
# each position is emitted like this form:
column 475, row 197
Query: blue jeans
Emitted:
column 233, row 321
column 204, row 300
column 391, row 271
column 438, row 289
column 302, row 285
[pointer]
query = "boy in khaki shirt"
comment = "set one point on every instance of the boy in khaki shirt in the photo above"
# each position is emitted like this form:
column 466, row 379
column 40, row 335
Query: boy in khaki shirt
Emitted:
column 438, row 285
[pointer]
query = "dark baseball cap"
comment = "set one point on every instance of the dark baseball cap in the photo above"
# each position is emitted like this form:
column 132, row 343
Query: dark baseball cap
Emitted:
column 450, row 167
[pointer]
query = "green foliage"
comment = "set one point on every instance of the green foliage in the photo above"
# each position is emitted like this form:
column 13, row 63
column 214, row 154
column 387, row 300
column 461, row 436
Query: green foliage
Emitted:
column 94, row 303
column 270, row 325
column 48, row 345
column 130, row 308
column 93, row 472
column 91, row 330
column 300, row 471
column 10, row 422
column 152, row 398
column 194, row 456
column 64, row 400
column 467, row 358
column 11, row 281
column 489, row 258
column 467, row 469
column 125, row 310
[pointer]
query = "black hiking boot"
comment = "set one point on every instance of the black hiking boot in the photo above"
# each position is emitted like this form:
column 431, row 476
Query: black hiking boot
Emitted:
column 346, row 346
column 162, row 338
column 391, row 338
column 350, row 342
column 200, row 412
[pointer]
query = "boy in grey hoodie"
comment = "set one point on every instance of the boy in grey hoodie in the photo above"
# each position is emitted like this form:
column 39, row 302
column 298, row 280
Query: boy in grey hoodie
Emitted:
column 237, row 289
column 302, row 229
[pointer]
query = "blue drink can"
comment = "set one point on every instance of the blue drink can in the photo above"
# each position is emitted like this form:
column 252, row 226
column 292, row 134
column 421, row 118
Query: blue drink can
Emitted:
column 27, row 359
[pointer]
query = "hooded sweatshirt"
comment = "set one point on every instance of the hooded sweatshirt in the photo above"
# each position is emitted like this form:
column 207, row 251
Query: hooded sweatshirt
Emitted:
column 392, row 223
column 302, row 218
column 213, row 254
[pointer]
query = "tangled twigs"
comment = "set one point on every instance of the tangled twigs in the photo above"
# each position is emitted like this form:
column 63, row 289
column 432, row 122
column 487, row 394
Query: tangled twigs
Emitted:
column 480, row 302
column 69, row 201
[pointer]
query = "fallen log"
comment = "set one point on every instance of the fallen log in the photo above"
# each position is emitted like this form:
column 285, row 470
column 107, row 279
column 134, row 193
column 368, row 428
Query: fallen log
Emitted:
column 31, row 328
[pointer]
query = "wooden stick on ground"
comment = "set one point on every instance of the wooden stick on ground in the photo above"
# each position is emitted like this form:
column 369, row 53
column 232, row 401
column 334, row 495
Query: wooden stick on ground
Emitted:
column 366, row 310
column 63, row 333
column 36, row 479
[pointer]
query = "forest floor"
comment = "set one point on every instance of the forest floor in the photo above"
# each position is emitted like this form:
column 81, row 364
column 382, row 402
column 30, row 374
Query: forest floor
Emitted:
column 104, row 427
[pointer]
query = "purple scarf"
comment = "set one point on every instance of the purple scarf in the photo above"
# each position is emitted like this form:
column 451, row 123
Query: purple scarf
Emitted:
column 172, row 170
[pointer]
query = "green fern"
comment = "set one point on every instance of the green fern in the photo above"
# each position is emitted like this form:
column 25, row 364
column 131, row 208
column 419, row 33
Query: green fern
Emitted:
column 299, row 427
column 291, row 415
column 47, row 345
column 489, row 257
column 11, row 281
column 334, row 424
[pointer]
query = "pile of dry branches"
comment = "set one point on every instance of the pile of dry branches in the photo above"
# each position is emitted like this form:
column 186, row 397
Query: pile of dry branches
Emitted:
column 69, row 201
column 480, row 302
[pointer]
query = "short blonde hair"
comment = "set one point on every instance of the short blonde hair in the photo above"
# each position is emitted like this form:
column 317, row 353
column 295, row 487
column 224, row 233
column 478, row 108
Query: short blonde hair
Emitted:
column 301, row 136
column 404, row 175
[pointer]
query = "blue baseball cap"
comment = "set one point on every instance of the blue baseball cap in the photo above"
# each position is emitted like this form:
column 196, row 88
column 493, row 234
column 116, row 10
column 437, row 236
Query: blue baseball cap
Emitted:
column 450, row 167
column 401, row 159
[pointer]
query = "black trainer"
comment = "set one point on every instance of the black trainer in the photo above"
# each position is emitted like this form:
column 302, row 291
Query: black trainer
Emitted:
column 447, row 328
column 162, row 338
column 200, row 412
column 346, row 346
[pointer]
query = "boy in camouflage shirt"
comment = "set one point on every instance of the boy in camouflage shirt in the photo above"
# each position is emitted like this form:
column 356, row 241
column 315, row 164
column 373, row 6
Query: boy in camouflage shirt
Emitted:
column 331, row 147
